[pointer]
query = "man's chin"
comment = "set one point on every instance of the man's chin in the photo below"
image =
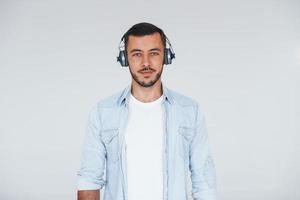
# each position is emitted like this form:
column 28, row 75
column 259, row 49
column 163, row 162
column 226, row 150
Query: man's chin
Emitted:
column 147, row 83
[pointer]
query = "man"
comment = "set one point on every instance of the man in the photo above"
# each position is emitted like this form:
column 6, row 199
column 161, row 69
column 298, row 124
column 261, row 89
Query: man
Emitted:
column 147, row 141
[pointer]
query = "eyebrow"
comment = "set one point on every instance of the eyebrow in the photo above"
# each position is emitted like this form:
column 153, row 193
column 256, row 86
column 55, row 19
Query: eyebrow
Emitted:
column 134, row 50
column 138, row 50
column 155, row 49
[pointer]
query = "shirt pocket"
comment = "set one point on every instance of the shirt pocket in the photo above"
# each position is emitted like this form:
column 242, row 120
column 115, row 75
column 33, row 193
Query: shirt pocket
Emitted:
column 185, row 136
column 110, row 138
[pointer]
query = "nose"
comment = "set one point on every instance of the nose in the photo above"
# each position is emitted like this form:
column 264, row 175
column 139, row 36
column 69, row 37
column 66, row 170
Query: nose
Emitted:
column 145, row 61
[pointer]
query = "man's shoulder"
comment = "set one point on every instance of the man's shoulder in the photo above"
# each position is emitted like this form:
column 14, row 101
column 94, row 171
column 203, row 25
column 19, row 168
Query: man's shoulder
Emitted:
column 177, row 97
column 110, row 100
column 181, row 99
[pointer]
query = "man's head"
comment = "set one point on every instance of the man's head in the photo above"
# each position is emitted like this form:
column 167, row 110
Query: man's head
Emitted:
column 145, row 47
column 142, row 29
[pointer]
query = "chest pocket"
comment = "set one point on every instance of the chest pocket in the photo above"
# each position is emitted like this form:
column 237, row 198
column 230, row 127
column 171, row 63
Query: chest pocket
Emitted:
column 110, row 139
column 185, row 137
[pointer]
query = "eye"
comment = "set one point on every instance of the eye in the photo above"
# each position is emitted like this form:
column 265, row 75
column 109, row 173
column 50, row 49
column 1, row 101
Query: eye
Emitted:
column 136, row 54
column 154, row 53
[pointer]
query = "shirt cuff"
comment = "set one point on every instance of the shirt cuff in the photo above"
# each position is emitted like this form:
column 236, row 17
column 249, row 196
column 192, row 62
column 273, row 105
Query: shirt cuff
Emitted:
column 88, row 185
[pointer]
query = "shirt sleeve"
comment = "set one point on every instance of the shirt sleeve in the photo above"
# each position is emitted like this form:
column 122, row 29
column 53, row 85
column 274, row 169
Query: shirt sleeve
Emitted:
column 203, row 174
column 92, row 169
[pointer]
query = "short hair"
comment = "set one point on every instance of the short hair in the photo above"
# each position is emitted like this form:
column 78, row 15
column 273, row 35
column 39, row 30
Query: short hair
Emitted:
column 142, row 29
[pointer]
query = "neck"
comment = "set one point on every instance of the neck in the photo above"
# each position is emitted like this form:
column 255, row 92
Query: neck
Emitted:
column 146, row 94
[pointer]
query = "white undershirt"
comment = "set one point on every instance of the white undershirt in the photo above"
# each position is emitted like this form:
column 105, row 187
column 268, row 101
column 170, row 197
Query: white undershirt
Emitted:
column 144, row 137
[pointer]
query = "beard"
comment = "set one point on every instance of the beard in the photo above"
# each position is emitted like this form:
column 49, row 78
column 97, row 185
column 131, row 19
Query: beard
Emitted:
column 148, row 83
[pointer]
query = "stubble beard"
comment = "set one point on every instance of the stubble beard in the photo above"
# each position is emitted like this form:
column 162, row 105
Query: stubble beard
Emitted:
column 143, row 83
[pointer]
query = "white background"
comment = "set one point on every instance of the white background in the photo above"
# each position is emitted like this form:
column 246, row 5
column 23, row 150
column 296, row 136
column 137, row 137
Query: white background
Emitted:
column 239, row 59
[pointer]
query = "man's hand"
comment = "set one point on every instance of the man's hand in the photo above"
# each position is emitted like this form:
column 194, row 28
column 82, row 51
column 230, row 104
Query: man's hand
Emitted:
column 88, row 195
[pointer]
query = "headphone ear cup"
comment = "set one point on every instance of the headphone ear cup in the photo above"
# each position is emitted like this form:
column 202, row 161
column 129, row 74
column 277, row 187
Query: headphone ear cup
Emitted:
column 168, row 56
column 122, row 59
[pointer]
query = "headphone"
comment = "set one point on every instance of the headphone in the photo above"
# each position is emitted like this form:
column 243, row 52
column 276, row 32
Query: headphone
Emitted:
column 169, row 54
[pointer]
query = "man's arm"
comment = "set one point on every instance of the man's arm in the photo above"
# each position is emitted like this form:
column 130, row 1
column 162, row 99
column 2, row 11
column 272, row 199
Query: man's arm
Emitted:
column 202, row 167
column 88, row 195
column 91, row 174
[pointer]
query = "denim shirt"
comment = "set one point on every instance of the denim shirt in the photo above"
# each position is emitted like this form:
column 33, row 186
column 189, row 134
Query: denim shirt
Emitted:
column 188, row 167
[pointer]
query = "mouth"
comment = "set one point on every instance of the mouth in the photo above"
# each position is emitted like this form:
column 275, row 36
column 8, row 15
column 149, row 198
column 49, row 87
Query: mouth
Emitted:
column 147, row 73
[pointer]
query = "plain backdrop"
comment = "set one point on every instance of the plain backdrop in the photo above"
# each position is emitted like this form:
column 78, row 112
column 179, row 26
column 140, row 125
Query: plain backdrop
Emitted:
column 239, row 59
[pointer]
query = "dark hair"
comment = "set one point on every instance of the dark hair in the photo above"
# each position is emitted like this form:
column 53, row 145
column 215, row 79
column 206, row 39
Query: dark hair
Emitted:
column 142, row 29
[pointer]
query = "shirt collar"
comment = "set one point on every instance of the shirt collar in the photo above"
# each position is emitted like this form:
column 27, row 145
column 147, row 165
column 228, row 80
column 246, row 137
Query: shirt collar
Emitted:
column 126, row 94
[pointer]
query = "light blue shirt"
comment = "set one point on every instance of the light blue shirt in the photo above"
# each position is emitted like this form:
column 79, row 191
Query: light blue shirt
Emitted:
column 186, row 151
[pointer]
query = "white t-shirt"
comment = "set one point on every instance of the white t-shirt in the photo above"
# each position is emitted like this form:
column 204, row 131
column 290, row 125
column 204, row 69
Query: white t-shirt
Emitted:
column 144, row 139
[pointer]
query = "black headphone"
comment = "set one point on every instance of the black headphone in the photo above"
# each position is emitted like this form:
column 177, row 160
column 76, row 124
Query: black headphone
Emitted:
column 168, row 53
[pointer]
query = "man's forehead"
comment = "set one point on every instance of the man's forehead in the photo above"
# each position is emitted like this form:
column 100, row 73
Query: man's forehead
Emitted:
column 145, row 40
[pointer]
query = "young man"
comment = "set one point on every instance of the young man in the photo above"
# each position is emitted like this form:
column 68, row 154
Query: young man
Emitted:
column 146, row 142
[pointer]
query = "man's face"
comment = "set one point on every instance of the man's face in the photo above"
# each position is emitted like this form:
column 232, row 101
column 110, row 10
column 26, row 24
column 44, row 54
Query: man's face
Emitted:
column 145, row 57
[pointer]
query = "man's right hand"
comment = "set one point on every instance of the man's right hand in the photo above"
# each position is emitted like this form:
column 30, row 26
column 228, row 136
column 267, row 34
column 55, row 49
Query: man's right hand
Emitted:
column 88, row 195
